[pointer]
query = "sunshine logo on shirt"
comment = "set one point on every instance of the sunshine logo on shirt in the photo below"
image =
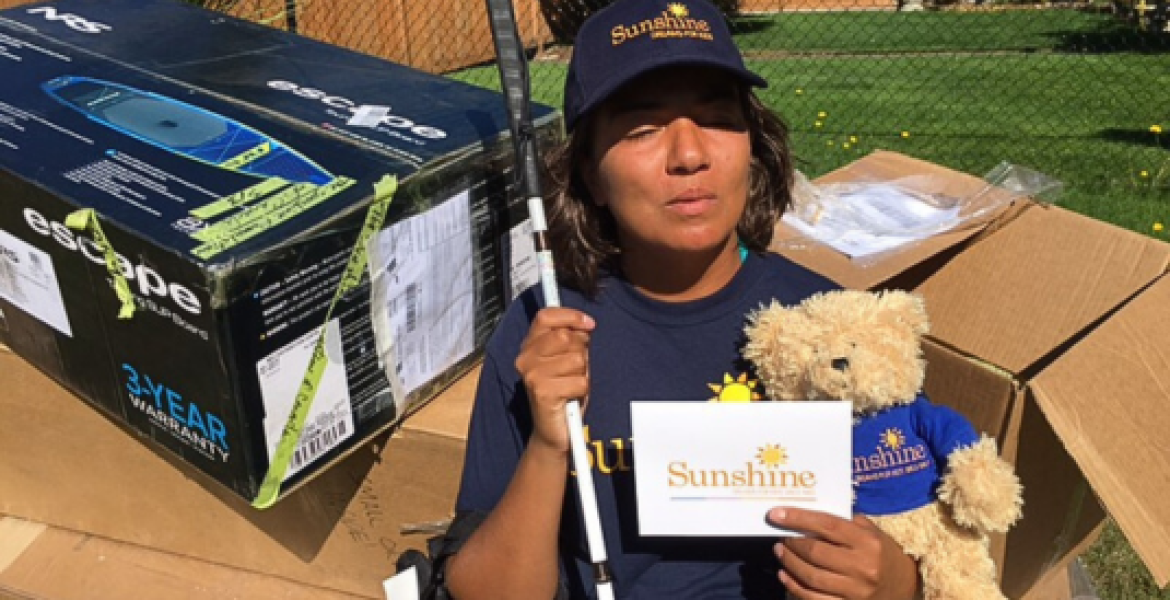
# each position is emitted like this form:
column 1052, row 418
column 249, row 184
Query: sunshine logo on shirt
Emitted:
column 735, row 389
column 892, row 457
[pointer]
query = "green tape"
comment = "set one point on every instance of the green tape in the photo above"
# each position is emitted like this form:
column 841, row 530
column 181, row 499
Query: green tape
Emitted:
column 383, row 191
column 247, row 156
column 291, row 434
column 238, row 199
column 273, row 211
column 87, row 220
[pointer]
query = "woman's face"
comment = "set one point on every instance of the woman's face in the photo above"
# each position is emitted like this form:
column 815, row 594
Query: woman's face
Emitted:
column 670, row 158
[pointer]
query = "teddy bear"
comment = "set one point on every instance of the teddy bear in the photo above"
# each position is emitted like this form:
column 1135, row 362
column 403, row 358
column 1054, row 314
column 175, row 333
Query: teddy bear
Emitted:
column 921, row 472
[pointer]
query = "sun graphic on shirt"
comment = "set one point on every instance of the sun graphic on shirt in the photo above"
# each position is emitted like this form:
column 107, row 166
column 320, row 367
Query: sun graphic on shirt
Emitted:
column 893, row 438
column 772, row 456
column 735, row 389
column 678, row 10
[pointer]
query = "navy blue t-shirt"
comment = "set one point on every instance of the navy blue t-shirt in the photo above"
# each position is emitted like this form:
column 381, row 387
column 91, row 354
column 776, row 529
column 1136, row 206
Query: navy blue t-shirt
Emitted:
column 641, row 349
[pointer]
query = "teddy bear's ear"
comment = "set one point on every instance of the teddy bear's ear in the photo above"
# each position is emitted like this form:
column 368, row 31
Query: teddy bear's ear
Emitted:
column 766, row 320
column 778, row 346
column 908, row 308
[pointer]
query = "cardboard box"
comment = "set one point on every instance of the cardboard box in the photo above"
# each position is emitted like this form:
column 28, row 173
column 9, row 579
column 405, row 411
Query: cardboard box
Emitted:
column 1047, row 332
column 38, row 561
column 232, row 175
column 67, row 466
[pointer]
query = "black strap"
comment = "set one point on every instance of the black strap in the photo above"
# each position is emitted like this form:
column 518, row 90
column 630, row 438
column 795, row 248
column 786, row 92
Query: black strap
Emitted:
column 430, row 567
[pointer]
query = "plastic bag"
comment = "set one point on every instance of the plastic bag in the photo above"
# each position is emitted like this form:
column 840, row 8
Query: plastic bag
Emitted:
column 871, row 220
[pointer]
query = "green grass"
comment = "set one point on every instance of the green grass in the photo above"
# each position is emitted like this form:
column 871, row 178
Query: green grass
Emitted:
column 1070, row 94
column 548, row 80
column 1117, row 572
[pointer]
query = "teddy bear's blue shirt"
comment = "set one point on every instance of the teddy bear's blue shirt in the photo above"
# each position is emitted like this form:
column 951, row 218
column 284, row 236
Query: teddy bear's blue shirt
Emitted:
column 900, row 453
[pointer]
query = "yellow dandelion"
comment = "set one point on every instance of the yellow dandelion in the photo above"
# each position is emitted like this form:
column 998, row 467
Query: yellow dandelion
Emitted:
column 845, row 146
column 817, row 124
column 822, row 114
column 1158, row 227
column 905, row 134
column 853, row 139
column 1144, row 174
column 799, row 91
column 829, row 143
column 1155, row 129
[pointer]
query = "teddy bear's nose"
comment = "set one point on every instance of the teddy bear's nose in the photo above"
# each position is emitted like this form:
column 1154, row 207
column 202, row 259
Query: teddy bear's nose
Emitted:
column 840, row 363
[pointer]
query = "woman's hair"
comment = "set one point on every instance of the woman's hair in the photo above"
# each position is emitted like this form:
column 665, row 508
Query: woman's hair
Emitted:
column 584, row 236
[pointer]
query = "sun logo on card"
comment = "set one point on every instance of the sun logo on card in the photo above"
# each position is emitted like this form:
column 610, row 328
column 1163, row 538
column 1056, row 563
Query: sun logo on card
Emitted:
column 678, row 10
column 772, row 456
column 732, row 389
column 893, row 438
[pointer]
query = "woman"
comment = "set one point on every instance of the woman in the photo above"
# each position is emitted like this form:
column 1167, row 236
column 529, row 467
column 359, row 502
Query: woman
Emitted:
column 663, row 202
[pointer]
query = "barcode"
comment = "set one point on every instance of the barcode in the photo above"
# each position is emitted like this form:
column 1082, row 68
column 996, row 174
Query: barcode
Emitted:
column 411, row 307
column 9, row 286
column 309, row 451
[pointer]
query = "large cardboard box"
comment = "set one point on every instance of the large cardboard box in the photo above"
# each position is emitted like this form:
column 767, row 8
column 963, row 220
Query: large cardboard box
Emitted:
column 66, row 466
column 232, row 172
column 1046, row 332
column 38, row 562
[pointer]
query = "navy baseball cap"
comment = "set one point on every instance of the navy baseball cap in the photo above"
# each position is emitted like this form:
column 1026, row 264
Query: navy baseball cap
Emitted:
column 631, row 37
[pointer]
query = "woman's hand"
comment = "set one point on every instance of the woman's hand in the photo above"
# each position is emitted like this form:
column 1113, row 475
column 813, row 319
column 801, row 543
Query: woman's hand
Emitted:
column 554, row 365
column 841, row 559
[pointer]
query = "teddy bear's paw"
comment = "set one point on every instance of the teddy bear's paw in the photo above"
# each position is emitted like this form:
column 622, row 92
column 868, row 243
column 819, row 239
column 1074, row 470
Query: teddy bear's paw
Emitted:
column 958, row 566
column 981, row 489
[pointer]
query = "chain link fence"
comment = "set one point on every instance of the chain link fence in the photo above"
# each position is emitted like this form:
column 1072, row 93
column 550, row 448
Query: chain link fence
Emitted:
column 1078, row 90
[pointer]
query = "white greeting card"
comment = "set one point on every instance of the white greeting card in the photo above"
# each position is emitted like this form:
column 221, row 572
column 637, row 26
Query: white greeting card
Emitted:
column 715, row 469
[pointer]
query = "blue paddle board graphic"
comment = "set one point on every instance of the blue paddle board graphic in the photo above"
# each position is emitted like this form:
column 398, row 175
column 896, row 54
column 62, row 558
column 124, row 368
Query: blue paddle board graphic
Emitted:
column 184, row 129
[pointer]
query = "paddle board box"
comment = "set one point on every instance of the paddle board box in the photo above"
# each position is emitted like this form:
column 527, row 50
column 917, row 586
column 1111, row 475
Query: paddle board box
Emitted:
column 180, row 195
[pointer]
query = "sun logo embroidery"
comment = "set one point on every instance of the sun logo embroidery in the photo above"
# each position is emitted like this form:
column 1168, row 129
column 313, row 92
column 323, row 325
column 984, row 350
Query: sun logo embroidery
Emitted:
column 892, row 457
column 772, row 456
column 739, row 389
column 674, row 22
column 893, row 438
